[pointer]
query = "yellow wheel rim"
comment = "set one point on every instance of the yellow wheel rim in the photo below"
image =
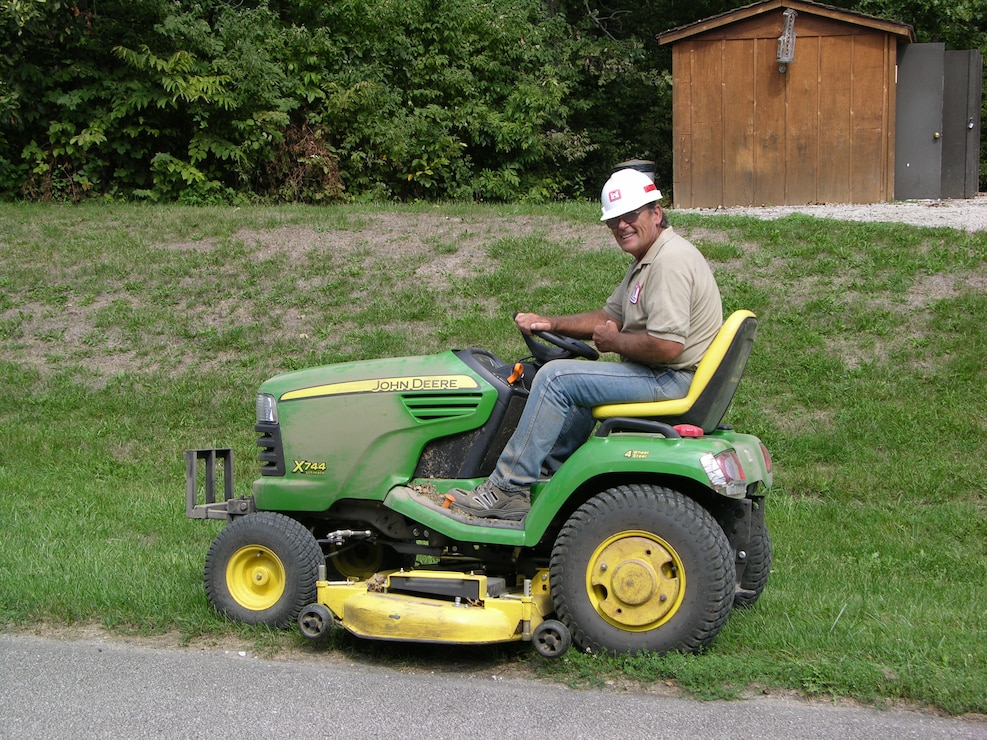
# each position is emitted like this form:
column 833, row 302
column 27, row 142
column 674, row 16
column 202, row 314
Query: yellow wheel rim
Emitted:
column 255, row 578
column 635, row 581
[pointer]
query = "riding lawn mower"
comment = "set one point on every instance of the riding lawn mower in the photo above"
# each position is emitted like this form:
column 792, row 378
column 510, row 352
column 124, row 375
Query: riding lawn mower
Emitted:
column 644, row 539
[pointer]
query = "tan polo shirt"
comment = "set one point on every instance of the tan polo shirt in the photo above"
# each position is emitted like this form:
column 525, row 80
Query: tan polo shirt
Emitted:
column 671, row 294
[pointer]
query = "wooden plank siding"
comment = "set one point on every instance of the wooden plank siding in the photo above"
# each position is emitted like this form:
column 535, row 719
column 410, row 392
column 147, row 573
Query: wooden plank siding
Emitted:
column 708, row 122
column 747, row 134
column 739, row 95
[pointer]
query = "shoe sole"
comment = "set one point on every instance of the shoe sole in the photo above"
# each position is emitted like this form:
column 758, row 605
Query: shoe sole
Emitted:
column 511, row 516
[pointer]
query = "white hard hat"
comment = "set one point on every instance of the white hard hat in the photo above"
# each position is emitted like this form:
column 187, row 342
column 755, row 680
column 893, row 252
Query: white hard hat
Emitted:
column 625, row 191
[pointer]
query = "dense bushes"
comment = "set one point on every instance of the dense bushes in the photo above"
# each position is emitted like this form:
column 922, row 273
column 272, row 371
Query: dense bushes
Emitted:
column 307, row 101
column 209, row 101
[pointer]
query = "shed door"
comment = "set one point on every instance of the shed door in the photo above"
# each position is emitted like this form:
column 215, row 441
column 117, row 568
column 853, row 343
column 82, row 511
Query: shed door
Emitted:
column 918, row 122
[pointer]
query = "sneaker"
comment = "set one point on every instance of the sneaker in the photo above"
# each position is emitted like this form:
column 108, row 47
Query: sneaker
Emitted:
column 490, row 502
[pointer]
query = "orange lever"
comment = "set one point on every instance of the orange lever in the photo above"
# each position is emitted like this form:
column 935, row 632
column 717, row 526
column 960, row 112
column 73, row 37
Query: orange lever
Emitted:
column 447, row 504
column 517, row 374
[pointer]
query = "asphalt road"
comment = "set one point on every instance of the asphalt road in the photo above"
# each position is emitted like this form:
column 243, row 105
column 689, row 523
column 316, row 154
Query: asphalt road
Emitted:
column 102, row 689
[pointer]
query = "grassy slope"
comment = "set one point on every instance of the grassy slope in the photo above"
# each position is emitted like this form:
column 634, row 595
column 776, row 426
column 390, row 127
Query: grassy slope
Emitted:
column 129, row 334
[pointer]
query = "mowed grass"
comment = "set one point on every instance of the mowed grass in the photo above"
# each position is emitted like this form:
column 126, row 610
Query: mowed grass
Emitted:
column 129, row 334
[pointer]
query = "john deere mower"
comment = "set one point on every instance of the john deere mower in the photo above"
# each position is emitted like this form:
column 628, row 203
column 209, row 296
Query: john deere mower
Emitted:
column 643, row 539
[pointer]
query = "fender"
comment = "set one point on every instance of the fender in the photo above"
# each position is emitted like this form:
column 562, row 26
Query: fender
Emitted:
column 628, row 455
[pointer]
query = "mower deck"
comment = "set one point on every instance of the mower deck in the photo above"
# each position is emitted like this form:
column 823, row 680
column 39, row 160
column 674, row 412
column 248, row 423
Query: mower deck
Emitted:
column 437, row 607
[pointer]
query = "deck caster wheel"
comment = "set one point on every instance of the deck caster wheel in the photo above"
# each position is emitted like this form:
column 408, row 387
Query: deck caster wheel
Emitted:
column 551, row 638
column 315, row 621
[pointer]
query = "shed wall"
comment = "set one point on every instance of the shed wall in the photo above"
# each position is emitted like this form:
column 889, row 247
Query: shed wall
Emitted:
column 747, row 134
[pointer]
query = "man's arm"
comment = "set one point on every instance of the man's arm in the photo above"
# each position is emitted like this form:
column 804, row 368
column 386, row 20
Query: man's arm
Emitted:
column 638, row 347
column 577, row 326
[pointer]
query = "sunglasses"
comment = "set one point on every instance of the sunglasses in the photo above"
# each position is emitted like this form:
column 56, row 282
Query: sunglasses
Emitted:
column 627, row 218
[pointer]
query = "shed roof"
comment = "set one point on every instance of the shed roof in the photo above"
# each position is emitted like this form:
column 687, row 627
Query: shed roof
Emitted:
column 802, row 6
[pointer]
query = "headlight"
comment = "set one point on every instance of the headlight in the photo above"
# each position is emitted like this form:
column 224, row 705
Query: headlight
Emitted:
column 267, row 409
column 725, row 473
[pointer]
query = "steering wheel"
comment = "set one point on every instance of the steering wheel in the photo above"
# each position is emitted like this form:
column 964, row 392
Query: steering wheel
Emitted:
column 558, row 347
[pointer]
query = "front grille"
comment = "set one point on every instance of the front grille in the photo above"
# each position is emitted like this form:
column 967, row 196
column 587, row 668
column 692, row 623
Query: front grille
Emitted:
column 438, row 406
column 271, row 455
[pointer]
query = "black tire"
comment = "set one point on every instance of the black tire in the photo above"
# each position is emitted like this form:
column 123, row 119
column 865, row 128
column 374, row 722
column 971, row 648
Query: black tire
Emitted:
column 262, row 569
column 551, row 639
column 315, row 622
column 642, row 568
column 756, row 571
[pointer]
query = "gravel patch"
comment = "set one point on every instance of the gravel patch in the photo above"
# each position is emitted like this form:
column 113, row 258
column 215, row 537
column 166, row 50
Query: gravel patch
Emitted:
column 966, row 214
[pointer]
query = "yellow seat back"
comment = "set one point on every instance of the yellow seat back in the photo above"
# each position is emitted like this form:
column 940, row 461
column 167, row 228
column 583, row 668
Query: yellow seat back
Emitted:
column 713, row 386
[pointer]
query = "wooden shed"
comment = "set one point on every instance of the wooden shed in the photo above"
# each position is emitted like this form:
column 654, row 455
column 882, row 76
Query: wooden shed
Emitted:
column 783, row 103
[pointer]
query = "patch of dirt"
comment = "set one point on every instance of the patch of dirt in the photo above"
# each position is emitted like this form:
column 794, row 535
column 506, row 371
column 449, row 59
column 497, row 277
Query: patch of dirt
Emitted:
column 102, row 335
column 107, row 334
column 938, row 287
column 403, row 236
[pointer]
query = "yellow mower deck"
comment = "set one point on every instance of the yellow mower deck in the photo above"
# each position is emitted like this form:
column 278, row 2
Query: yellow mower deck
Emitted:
column 438, row 607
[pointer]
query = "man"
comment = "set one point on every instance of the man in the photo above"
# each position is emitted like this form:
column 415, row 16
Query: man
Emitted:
column 661, row 319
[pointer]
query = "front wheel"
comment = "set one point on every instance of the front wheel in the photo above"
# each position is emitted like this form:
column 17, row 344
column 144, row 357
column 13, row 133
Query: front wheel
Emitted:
column 642, row 567
column 262, row 569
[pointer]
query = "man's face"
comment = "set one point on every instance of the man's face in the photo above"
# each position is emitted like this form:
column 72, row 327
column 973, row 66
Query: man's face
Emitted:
column 636, row 231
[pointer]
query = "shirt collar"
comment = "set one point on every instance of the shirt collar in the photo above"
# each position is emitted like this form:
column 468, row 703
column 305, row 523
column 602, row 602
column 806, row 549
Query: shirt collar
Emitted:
column 663, row 238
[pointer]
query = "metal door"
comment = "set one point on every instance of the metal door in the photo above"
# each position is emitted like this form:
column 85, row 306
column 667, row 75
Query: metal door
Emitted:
column 918, row 121
column 962, row 94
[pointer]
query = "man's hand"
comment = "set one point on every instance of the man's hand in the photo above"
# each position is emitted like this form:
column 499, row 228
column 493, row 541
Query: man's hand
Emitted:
column 606, row 336
column 529, row 322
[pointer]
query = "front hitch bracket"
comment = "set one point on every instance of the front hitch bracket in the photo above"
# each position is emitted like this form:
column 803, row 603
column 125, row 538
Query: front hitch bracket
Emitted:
column 211, row 507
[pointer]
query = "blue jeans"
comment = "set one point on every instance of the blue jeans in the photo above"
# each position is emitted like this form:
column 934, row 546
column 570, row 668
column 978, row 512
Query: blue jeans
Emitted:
column 558, row 416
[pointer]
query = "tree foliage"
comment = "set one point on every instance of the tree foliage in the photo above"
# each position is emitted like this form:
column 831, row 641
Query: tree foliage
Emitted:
column 207, row 100
column 203, row 101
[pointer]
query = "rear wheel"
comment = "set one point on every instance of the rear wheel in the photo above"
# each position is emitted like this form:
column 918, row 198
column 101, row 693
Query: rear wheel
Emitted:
column 262, row 569
column 360, row 560
column 642, row 567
